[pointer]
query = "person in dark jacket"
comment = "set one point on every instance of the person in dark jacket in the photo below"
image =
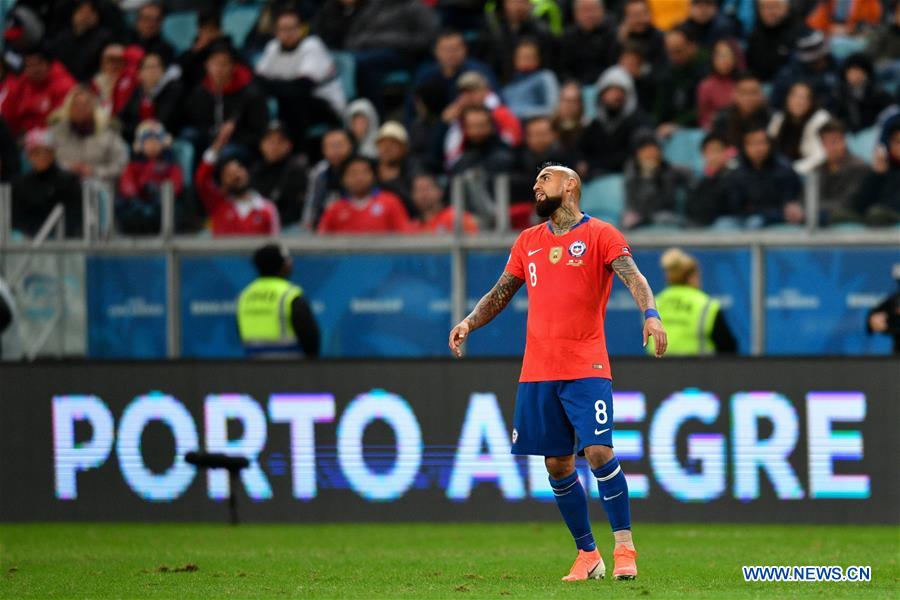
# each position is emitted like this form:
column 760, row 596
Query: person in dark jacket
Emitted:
column 279, row 174
column 812, row 64
column 227, row 94
column 748, row 111
column 885, row 317
column 80, row 45
column 764, row 187
column 35, row 194
column 541, row 146
column 857, row 101
column 878, row 199
column 394, row 166
column 707, row 25
column 334, row 19
column 772, row 40
column 655, row 191
column 9, row 154
column 482, row 147
column 709, row 199
column 148, row 31
column 676, row 100
column 840, row 175
column 209, row 33
column 158, row 96
column 604, row 144
column 505, row 28
column 637, row 28
column 588, row 46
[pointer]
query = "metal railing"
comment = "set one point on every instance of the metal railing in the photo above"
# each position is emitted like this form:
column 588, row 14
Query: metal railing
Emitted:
column 104, row 241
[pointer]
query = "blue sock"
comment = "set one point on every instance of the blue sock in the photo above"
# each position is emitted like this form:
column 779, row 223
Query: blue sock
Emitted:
column 614, row 494
column 572, row 503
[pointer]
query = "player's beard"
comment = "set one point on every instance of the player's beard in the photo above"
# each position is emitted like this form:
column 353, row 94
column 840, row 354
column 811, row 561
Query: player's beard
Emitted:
column 548, row 206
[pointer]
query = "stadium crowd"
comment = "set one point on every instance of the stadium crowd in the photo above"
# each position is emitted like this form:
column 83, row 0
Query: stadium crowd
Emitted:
column 342, row 116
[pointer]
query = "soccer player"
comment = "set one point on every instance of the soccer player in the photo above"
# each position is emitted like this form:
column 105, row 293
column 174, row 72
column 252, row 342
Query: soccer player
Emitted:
column 565, row 388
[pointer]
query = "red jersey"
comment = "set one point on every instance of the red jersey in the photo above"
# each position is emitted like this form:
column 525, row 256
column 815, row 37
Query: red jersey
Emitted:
column 381, row 212
column 568, row 278
column 443, row 222
column 254, row 216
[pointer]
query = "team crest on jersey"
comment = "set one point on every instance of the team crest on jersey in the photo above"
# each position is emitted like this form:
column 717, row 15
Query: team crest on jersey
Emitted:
column 515, row 436
column 577, row 249
column 555, row 254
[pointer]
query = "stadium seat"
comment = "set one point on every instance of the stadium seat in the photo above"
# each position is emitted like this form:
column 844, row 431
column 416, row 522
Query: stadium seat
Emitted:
column 238, row 20
column 184, row 155
column 843, row 46
column 589, row 100
column 862, row 143
column 683, row 148
column 604, row 198
column 347, row 70
column 397, row 78
column 180, row 29
column 272, row 104
column 847, row 227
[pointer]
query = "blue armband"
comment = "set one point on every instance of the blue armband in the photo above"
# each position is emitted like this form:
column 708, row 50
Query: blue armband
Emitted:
column 652, row 312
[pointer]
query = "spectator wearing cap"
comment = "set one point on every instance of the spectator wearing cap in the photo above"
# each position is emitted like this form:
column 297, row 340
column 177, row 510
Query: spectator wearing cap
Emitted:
column 764, row 188
column 325, row 177
column 434, row 214
column 36, row 193
column 223, row 184
column 655, row 191
column 588, row 46
column 438, row 81
column 604, row 144
column 502, row 31
column 813, row 64
column 857, row 101
column 796, row 129
column 748, row 111
column 532, row 91
column 274, row 318
column 771, row 43
column 637, row 28
column 279, row 174
column 707, row 24
column 157, row 96
column 209, row 35
column 361, row 120
column 80, row 45
column 878, row 199
column 85, row 140
column 148, row 31
column 709, row 198
column 364, row 208
column 677, row 83
column 117, row 79
column 388, row 35
column 299, row 72
column 840, row 175
column 139, row 199
column 716, row 91
column 394, row 168
column 40, row 90
column 474, row 92
column 226, row 94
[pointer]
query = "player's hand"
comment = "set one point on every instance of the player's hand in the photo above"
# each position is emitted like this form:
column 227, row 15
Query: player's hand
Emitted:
column 653, row 327
column 457, row 336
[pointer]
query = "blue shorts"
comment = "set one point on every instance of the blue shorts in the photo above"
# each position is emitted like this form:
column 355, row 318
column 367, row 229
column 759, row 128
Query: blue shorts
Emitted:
column 558, row 418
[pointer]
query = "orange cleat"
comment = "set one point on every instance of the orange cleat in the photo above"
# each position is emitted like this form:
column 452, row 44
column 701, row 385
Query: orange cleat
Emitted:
column 588, row 565
column 625, row 565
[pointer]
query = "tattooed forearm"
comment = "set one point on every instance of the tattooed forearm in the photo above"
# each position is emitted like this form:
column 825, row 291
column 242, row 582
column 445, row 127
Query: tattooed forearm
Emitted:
column 628, row 272
column 564, row 219
column 494, row 301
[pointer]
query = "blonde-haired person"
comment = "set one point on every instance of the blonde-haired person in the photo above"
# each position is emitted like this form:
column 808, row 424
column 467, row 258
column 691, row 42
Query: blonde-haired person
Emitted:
column 85, row 141
column 695, row 323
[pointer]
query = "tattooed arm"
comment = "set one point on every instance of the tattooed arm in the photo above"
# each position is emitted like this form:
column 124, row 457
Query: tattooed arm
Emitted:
column 628, row 272
column 487, row 308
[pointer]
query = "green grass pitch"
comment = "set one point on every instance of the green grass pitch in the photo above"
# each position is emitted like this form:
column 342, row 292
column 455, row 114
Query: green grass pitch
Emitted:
column 425, row 561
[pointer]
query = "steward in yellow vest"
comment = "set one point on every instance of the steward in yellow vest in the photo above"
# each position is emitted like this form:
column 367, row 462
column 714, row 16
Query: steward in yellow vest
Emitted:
column 694, row 320
column 274, row 319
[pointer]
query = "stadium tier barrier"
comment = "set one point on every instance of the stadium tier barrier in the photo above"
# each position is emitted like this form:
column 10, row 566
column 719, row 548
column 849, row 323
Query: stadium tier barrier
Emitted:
column 430, row 441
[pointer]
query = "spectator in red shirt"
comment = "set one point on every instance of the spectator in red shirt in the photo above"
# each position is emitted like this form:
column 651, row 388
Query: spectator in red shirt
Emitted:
column 716, row 91
column 436, row 217
column 232, row 206
column 40, row 90
column 139, row 202
column 365, row 208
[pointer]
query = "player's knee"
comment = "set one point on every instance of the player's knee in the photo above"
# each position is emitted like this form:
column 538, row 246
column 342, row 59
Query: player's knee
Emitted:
column 559, row 467
column 598, row 456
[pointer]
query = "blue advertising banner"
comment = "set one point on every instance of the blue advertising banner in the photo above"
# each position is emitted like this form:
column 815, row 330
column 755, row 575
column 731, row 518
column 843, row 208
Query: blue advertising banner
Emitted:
column 365, row 304
column 725, row 275
column 126, row 297
column 817, row 299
